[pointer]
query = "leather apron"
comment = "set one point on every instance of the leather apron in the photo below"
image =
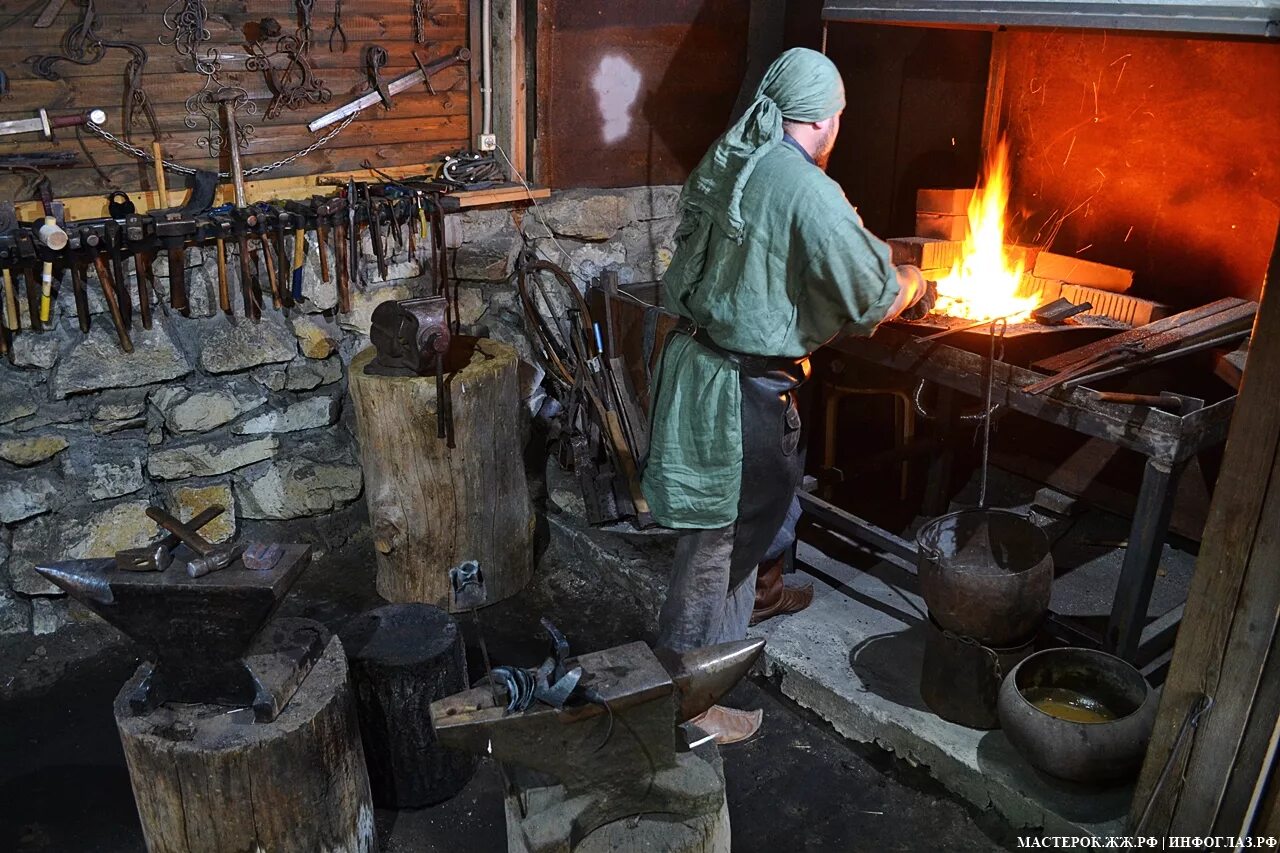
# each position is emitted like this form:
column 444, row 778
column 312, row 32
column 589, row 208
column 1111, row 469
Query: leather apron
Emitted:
column 772, row 450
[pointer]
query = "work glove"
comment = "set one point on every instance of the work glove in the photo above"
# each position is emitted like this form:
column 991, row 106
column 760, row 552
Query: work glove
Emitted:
column 920, row 309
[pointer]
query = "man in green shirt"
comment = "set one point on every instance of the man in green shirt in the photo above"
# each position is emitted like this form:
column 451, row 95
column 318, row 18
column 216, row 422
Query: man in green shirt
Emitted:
column 771, row 262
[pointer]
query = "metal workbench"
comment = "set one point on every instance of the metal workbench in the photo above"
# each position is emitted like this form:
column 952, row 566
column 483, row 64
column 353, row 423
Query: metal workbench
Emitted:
column 1167, row 441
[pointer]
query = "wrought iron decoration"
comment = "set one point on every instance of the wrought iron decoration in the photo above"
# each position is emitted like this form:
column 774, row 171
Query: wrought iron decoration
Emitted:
column 82, row 45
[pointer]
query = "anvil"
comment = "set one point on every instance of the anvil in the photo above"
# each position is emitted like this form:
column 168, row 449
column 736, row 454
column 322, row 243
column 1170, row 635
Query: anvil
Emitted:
column 198, row 630
column 617, row 756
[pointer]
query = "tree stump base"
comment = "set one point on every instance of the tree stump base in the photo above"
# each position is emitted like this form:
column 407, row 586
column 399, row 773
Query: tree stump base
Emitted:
column 541, row 819
column 210, row 780
column 432, row 507
column 403, row 657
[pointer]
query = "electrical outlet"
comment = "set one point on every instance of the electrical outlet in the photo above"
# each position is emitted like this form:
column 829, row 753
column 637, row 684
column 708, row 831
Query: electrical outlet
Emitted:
column 488, row 142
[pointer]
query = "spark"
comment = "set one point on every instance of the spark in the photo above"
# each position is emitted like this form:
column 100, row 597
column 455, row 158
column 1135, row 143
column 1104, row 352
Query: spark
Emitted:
column 1129, row 234
column 1082, row 248
column 1069, row 150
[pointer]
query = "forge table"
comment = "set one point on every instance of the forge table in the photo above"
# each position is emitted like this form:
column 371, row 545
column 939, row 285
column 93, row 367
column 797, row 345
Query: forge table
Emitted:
column 1167, row 440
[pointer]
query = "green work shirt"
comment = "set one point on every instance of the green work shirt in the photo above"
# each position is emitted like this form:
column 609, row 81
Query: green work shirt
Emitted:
column 805, row 270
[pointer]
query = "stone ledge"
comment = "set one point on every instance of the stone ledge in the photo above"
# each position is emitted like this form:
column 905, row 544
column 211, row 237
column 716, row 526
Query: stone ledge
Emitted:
column 857, row 666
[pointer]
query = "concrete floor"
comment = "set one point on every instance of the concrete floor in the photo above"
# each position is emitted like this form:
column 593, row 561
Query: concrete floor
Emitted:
column 798, row 786
column 854, row 658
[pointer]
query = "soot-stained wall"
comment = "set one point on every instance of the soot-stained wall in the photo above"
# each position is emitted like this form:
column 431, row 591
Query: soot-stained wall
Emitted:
column 1156, row 153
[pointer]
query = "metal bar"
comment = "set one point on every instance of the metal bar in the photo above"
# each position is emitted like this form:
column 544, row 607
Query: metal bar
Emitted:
column 1208, row 17
column 939, row 482
column 1066, row 629
column 1132, row 366
column 859, row 528
column 1142, row 557
column 1157, row 638
column 1152, row 432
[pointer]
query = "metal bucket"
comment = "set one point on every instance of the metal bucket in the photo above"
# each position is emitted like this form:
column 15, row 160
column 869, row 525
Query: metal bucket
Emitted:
column 985, row 574
column 1093, row 752
column 960, row 678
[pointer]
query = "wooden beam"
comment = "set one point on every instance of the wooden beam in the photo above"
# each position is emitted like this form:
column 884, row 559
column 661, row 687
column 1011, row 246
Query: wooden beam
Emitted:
column 507, row 44
column 1232, row 607
column 271, row 189
column 995, row 92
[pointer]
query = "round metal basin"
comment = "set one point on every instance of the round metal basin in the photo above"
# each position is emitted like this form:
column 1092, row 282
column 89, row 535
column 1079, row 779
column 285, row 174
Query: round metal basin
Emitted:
column 1078, row 714
column 985, row 574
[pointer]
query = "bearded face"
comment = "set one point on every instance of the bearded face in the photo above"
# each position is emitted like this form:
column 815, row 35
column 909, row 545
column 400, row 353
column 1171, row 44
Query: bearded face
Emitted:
column 827, row 142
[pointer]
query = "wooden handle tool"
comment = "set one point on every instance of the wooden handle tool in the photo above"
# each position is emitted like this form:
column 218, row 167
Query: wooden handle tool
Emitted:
column 224, row 291
column 109, row 294
column 11, row 321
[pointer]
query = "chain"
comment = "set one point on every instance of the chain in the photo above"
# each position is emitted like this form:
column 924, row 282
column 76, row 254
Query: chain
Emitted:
column 187, row 170
column 419, row 22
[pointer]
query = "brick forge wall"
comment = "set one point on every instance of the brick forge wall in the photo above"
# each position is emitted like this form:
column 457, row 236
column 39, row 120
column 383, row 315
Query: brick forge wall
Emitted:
column 208, row 410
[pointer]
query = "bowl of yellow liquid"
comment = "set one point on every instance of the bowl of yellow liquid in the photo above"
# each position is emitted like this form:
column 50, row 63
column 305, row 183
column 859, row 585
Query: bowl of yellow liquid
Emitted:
column 1078, row 714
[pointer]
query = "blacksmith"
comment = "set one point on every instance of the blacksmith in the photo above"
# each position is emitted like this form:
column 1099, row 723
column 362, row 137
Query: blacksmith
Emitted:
column 771, row 262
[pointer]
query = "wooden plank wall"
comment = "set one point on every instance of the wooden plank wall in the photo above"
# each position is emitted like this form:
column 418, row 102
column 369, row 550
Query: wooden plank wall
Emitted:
column 419, row 128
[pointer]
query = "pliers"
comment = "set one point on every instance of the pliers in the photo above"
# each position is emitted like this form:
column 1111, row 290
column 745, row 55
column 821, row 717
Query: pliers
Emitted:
column 336, row 29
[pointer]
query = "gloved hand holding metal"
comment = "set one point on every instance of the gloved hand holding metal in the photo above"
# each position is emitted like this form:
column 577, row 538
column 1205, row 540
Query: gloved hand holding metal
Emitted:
column 920, row 308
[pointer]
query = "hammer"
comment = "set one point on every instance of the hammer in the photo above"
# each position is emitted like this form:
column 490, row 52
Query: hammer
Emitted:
column 156, row 556
column 1179, row 403
column 211, row 557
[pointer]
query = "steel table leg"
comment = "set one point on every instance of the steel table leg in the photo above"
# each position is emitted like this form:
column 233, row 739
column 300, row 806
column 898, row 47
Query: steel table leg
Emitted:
column 936, row 497
column 1142, row 557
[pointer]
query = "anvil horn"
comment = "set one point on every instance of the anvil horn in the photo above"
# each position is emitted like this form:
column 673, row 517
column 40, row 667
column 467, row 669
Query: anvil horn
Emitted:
column 703, row 675
column 84, row 580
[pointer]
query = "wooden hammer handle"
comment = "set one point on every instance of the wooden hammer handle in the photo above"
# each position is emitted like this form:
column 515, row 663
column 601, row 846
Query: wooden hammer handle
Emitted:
column 201, row 518
column 185, row 533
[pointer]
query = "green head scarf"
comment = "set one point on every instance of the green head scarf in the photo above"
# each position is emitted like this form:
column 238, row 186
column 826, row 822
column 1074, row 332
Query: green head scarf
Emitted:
column 800, row 85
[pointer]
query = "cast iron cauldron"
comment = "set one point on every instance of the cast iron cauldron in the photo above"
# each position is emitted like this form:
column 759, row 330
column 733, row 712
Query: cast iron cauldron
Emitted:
column 1088, row 752
column 985, row 574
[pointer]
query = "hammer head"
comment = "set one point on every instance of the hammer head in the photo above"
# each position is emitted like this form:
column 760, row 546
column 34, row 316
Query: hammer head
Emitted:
column 216, row 560
column 154, row 557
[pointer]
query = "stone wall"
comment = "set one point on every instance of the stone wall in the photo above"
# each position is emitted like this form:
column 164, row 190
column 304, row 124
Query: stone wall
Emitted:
column 209, row 409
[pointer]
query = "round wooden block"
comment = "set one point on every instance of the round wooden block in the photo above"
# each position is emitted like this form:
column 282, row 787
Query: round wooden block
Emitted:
column 207, row 781
column 708, row 833
column 432, row 507
column 402, row 658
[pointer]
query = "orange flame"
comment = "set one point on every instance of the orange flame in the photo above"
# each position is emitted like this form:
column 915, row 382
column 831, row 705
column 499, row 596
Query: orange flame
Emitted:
column 985, row 283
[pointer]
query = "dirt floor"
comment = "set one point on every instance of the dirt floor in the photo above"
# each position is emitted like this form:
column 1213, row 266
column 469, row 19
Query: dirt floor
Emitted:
column 797, row 786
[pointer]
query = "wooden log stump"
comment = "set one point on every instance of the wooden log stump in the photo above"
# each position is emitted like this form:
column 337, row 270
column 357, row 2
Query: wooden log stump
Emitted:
column 432, row 507
column 541, row 816
column 207, row 781
column 402, row 658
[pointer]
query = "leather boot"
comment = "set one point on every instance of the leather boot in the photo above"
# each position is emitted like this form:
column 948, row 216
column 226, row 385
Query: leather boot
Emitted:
column 773, row 597
column 728, row 725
